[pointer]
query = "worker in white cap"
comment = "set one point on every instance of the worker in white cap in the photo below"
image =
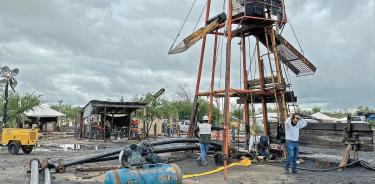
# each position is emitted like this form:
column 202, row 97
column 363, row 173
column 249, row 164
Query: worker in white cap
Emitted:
column 204, row 129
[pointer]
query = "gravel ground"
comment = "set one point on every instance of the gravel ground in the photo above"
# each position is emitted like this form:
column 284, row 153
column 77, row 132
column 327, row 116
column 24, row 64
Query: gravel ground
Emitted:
column 13, row 168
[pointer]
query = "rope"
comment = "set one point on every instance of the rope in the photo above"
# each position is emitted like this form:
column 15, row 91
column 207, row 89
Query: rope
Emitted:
column 289, row 81
column 295, row 36
column 183, row 24
column 200, row 17
column 272, row 73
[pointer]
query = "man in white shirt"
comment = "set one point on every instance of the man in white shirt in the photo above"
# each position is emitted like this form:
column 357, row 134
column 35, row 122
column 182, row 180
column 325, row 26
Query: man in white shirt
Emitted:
column 292, row 126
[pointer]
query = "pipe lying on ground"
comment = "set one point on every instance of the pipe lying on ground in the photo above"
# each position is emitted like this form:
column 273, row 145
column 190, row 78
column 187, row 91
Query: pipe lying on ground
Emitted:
column 47, row 176
column 60, row 167
column 156, row 150
column 34, row 164
column 98, row 168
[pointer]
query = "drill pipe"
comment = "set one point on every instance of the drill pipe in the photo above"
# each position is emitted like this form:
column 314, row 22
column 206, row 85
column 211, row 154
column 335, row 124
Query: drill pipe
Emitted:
column 61, row 167
column 47, row 176
column 34, row 178
column 157, row 150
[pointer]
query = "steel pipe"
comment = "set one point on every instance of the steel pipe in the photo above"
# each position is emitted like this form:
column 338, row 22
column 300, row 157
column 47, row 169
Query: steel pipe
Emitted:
column 34, row 178
column 158, row 150
column 47, row 176
column 60, row 167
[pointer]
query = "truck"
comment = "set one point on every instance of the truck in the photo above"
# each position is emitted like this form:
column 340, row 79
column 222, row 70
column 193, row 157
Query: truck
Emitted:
column 19, row 138
column 184, row 126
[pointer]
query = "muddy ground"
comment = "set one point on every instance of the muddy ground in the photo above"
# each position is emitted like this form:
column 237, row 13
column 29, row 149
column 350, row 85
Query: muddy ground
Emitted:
column 13, row 168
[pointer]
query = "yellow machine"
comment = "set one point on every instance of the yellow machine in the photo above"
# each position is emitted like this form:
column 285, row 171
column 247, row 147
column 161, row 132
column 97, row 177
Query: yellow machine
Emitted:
column 16, row 138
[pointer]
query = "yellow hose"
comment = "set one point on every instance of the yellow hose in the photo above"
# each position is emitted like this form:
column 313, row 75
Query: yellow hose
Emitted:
column 244, row 162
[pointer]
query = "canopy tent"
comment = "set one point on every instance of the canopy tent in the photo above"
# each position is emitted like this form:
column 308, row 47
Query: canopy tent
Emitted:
column 324, row 118
column 43, row 111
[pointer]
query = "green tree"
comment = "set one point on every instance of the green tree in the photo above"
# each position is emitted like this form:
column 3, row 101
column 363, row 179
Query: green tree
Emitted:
column 17, row 105
column 67, row 109
column 316, row 109
column 363, row 109
column 157, row 107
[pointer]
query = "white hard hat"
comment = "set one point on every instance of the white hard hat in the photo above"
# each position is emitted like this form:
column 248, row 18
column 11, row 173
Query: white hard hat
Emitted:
column 205, row 118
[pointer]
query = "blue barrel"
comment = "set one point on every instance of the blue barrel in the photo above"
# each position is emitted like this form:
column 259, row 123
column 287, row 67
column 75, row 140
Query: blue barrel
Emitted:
column 148, row 174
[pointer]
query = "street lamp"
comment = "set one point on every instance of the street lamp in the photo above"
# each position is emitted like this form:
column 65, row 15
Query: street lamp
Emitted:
column 8, row 79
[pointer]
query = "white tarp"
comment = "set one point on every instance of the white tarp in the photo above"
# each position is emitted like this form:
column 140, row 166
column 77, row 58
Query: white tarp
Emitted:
column 43, row 110
column 323, row 117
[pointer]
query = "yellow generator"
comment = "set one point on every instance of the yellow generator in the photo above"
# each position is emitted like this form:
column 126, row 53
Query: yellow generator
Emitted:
column 16, row 138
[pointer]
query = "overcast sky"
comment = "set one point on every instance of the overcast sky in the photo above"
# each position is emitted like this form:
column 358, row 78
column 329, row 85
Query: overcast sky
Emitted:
column 94, row 49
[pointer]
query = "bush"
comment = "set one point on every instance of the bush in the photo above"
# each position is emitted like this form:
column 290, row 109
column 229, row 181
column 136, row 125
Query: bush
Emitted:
column 372, row 123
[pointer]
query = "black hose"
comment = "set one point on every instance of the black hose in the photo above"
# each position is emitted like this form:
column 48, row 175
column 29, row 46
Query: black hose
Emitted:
column 156, row 150
column 118, row 150
column 111, row 152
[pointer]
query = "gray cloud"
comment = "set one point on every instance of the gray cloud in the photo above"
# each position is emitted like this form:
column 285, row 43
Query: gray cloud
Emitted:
column 93, row 49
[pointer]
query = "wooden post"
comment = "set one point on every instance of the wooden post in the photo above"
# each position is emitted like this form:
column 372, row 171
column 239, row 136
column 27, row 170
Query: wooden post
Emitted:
column 155, row 132
column 346, row 157
column 178, row 130
column 347, row 136
column 105, row 115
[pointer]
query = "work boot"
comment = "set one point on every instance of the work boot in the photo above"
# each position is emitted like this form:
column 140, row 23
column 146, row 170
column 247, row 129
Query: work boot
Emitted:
column 199, row 162
column 286, row 171
column 294, row 172
column 204, row 163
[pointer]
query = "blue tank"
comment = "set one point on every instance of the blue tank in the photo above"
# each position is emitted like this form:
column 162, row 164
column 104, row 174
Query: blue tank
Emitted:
column 148, row 174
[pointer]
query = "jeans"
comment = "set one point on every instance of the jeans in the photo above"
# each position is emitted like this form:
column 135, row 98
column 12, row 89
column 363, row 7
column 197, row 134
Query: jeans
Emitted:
column 293, row 151
column 204, row 150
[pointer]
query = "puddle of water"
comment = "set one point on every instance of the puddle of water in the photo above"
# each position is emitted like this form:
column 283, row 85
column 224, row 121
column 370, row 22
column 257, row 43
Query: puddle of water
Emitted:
column 68, row 147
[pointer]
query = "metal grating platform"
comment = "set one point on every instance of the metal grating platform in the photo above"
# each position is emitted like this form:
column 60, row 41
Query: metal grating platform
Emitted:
column 294, row 60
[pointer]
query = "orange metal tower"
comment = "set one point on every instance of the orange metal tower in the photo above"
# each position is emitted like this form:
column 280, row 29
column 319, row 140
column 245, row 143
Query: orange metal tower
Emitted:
column 262, row 20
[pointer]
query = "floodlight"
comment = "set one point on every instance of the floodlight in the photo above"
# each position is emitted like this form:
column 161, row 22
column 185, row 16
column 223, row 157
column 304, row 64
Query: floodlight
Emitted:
column 5, row 70
column 13, row 81
column 14, row 72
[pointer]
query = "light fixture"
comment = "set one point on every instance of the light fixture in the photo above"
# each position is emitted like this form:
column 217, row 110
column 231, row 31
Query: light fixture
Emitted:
column 13, row 83
column 14, row 72
column 5, row 71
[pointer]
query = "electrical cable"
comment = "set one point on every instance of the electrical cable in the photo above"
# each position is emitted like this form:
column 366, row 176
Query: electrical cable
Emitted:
column 183, row 24
column 200, row 17
column 295, row 36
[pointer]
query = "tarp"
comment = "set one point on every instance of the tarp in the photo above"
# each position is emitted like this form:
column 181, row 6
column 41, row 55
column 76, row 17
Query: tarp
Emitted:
column 43, row 110
column 323, row 117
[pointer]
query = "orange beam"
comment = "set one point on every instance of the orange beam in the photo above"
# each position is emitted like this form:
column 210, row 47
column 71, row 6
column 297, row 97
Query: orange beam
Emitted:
column 227, row 86
column 245, row 85
column 212, row 79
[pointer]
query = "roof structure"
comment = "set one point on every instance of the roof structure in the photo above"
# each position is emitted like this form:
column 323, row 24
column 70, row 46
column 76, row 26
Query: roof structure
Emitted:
column 119, row 108
column 43, row 110
column 323, row 117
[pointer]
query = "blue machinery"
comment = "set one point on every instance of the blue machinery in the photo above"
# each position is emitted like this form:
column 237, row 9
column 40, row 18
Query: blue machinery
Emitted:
column 149, row 173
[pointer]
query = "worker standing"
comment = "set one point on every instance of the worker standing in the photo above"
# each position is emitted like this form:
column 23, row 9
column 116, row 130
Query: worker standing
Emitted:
column 170, row 129
column 204, row 129
column 292, row 126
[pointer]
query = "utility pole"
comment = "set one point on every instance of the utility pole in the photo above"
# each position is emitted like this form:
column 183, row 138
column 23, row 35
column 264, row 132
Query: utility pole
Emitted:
column 5, row 108
column 9, row 80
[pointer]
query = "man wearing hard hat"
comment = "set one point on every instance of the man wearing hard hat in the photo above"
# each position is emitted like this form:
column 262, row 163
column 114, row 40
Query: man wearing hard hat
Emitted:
column 204, row 129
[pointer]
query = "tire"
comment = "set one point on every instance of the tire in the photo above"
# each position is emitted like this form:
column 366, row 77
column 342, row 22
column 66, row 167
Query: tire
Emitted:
column 27, row 149
column 13, row 148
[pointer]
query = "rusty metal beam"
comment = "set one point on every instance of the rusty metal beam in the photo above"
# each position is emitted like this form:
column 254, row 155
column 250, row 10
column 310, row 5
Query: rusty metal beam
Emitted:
column 227, row 87
column 197, row 86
